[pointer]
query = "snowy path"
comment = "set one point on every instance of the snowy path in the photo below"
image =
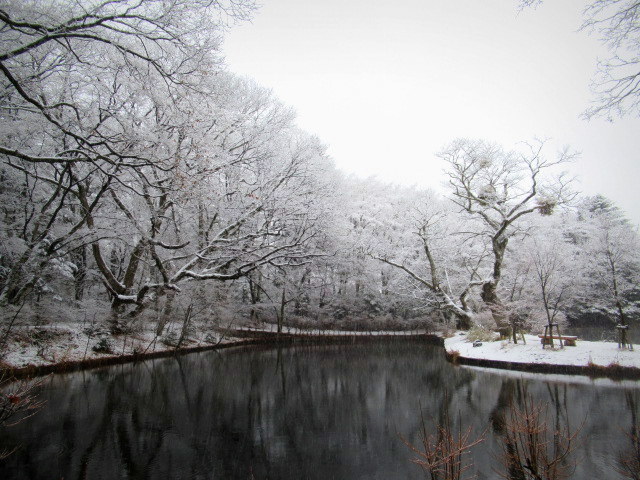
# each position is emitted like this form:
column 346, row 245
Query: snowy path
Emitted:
column 334, row 333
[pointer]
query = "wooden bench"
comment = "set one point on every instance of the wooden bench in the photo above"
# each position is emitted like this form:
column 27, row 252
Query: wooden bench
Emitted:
column 568, row 340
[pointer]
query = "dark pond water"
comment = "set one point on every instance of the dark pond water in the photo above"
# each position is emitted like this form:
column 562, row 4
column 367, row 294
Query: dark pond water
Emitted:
column 606, row 334
column 302, row 412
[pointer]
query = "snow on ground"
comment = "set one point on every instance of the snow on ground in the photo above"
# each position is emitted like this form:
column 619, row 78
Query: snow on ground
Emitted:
column 76, row 341
column 64, row 342
column 598, row 353
column 337, row 333
column 71, row 342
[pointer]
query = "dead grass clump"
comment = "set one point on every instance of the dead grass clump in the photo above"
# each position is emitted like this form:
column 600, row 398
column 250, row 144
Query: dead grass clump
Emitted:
column 482, row 334
column 18, row 401
column 448, row 333
column 454, row 356
column 614, row 369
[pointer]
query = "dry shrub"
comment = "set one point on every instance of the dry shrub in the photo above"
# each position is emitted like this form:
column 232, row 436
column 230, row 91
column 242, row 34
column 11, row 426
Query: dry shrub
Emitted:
column 481, row 333
column 629, row 462
column 441, row 453
column 614, row 369
column 533, row 449
column 448, row 333
column 18, row 401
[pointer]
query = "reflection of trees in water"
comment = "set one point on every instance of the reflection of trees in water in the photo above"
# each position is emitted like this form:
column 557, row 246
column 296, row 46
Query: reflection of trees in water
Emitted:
column 351, row 404
column 274, row 411
column 508, row 389
column 300, row 412
column 593, row 411
column 443, row 450
column 538, row 440
column 515, row 391
column 628, row 462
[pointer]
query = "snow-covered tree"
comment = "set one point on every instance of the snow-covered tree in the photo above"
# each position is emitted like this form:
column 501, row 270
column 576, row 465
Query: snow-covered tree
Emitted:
column 66, row 68
column 616, row 85
column 613, row 246
column 499, row 189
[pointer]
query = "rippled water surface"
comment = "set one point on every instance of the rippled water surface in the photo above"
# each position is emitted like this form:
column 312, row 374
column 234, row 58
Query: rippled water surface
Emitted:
column 301, row 412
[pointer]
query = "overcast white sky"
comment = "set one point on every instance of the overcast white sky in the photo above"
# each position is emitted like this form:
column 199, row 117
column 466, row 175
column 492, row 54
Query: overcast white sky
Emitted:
column 386, row 85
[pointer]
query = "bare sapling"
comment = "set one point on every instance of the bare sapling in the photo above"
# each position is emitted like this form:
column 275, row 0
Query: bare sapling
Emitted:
column 185, row 325
column 534, row 448
column 628, row 464
column 18, row 401
column 440, row 454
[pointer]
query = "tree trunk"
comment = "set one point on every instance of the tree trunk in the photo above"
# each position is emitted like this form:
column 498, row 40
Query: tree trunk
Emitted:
column 80, row 260
column 463, row 320
column 254, row 293
column 283, row 304
column 489, row 292
column 12, row 291
column 185, row 326
column 165, row 316
column 616, row 294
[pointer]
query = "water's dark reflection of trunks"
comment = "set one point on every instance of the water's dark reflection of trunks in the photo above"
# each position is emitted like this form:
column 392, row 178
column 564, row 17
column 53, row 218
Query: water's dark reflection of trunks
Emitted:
column 314, row 412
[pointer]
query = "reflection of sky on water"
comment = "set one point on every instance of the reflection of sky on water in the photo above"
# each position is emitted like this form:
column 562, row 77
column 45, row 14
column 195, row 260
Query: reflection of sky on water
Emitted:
column 303, row 412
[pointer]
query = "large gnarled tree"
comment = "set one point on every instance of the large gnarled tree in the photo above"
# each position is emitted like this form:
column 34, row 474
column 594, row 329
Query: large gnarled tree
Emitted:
column 500, row 188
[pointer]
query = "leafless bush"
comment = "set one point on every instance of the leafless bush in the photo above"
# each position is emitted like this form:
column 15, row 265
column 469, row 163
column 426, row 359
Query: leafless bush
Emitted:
column 440, row 454
column 18, row 401
column 628, row 464
column 533, row 449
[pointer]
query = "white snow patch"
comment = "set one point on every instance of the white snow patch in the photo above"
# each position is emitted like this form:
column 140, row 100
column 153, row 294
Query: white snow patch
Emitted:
column 71, row 342
column 584, row 353
column 338, row 333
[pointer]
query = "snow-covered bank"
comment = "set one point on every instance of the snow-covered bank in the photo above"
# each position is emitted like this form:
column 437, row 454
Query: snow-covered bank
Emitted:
column 340, row 333
column 73, row 344
column 589, row 355
column 44, row 349
column 66, row 346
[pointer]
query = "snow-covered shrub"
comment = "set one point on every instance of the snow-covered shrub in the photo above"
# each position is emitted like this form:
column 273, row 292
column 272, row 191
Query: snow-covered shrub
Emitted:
column 118, row 326
column 103, row 346
column 95, row 330
column 339, row 312
column 188, row 331
column 170, row 339
column 423, row 323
